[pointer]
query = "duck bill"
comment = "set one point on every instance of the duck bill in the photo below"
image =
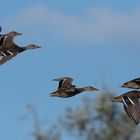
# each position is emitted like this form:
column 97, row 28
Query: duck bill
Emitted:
column 38, row 47
column 114, row 100
column 95, row 89
column 124, row 86
column 19, row 34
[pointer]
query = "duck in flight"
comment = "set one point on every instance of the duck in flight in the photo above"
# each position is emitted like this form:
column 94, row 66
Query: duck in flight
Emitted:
column 130, row 102
column 134, row 84
column 9, row 54
column 66, row 89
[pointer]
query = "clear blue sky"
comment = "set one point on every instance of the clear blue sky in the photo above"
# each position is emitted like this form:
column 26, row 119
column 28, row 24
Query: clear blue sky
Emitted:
column 96, row 42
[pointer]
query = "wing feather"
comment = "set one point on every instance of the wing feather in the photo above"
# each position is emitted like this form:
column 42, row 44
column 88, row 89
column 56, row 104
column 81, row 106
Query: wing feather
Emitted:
column 133, row 110
column 64, row 82
column 4, row 59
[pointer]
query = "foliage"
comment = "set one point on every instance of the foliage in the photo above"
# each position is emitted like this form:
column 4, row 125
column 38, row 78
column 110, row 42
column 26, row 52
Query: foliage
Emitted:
column 51, row 133
column 91, row 120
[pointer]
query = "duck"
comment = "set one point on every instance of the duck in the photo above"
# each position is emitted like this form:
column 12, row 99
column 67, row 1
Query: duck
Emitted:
column 66, row 89
column 131, row 106
column 133, row 84
column 9, row 54
column 6, row 40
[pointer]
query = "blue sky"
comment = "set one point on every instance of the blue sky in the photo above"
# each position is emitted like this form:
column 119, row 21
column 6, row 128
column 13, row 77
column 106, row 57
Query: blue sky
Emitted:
column 96, row 42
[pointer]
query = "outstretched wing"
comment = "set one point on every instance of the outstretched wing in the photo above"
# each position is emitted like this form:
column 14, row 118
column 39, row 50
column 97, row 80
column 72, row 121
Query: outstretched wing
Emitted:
column 64, row 82
column 131, row 106
column 4, row 59
column 2, row 40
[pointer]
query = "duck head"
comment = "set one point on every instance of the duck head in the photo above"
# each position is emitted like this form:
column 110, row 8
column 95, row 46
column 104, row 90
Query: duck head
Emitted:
column 117, row 99
column 131, row 85
column 90, row 88
column 32, row 46
column 13, row 33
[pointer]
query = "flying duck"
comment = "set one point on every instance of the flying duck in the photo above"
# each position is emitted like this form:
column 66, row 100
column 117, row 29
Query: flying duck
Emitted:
column 130, row 102
column 9, row 54
column 66, row 89
column 134, row 84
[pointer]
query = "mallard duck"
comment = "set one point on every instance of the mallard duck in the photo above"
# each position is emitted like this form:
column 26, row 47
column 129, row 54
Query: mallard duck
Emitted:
column 130, row 102
column 66, row 89
column 134, row 84
column 9, row 54
column 6, row 40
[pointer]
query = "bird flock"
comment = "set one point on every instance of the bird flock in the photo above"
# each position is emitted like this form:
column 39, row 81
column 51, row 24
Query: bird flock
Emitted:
column 130, row 100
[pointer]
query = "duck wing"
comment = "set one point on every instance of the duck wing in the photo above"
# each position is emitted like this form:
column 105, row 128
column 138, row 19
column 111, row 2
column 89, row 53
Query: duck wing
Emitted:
column 131, row 107
column 6, row 42
column 64, row 82
column 2, row 40
column 4, row 59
